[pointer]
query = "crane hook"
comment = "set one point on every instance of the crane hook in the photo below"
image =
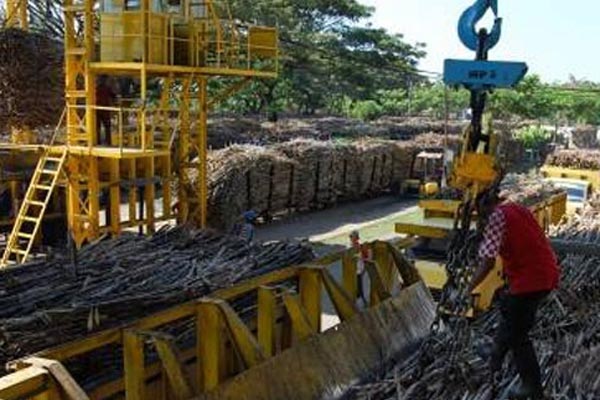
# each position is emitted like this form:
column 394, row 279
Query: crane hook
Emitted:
column 466, row 26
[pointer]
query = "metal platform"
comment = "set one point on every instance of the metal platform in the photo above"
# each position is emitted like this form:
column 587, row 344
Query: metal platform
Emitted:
column 417, row 224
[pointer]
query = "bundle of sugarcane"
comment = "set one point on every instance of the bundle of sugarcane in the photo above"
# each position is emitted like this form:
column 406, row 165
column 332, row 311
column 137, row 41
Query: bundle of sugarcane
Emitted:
column 50, row 302
column 578, row 159
column 585, row 137
column 403, row 127
column 31, row 80
column 374, row 166
column 527, row 189
column 312, row 174
column 223, row 132
column 243, row 177
column 566, row 339
column 434, row 141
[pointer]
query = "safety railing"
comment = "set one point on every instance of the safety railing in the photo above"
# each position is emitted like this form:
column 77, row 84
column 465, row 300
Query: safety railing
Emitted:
column 255, row 48
column 192, row 348
column 175, row 40
column 123, row 129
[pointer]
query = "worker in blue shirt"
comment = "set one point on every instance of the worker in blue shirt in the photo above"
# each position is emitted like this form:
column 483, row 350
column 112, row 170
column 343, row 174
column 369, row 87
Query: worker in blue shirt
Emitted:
column 245, row 230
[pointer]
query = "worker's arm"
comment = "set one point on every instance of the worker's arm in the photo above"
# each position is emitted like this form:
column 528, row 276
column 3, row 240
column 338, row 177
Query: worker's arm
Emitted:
column 490, row 247
column 486, row 266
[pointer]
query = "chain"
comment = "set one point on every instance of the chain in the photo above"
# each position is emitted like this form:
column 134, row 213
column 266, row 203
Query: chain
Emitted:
column 455, row 300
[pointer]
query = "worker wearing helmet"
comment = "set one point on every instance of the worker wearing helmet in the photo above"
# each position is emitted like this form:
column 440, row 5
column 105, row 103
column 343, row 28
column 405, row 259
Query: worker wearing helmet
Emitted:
column 245, row 230
column 531, row 269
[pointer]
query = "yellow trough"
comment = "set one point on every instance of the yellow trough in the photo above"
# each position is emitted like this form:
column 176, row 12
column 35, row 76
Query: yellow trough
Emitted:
column 324, row 366
column 234, row 349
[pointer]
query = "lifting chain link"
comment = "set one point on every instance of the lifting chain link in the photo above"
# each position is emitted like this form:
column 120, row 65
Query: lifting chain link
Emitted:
column 455, row 301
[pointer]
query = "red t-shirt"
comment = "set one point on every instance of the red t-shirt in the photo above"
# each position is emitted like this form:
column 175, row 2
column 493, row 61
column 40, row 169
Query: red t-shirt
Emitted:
column 104, row 96
column 530, row 264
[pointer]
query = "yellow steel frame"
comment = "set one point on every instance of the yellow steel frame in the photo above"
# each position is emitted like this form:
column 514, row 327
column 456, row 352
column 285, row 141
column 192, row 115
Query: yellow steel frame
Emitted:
column 16, row 14
column 283, row 319
column 142, row 155
column 587, row 175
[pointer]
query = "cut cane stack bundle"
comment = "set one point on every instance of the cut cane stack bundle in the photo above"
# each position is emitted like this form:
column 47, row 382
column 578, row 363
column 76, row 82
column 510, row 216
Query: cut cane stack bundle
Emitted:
column 51, row 302
column 585, row 137
column 31, row 83
column 527, row 190
column 578, row 159
column 306, row 174
column 246, row 177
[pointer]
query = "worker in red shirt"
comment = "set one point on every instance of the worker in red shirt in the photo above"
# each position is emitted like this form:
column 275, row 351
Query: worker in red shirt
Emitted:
column 105, row 97
column 363, row 253
column 531, row 269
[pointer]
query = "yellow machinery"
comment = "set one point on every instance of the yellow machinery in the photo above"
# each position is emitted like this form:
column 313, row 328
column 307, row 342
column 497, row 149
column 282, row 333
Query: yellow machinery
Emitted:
column 252, row 355
column 426, row 174
column 176, row 46
column 586, row 175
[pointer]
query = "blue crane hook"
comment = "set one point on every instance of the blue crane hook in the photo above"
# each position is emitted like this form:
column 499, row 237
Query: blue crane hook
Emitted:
column 466, row 26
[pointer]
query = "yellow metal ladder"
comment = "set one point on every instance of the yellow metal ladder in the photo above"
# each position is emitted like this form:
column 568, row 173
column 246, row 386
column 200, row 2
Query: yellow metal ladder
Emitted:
column 33, row 208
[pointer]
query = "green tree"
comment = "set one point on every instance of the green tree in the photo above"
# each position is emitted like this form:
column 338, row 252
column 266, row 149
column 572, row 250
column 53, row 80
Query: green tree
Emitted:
column 328, row 54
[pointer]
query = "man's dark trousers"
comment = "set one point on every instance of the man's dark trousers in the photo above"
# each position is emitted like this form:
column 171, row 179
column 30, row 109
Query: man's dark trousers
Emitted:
column 518, row 318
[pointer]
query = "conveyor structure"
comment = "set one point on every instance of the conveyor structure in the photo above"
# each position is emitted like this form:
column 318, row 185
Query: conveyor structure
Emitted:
column 157, row 59
column 261, row 339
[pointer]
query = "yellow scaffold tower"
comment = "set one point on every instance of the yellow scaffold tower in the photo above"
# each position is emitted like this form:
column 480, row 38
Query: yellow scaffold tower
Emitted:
column 135, row 124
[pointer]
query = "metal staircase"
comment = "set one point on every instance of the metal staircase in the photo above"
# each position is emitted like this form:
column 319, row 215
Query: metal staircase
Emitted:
column 33, row 208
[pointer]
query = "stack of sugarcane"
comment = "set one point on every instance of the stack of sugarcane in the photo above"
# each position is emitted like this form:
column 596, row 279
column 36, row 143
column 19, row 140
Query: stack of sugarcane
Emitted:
column 50, row 302
column 567, row 339
column 577, row 159
column 31, row 81
column 527, row 189
column 306, row 174
column 585, row 137
column 243, row 177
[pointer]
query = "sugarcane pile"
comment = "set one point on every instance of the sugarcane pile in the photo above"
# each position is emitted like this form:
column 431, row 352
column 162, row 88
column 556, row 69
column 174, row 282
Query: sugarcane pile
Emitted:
column 527, row 189
column 567, row 339
column 226, row 131
column 585, row 137
column 46, row 303
column 577, row 159
column 245, row 177
column 31, row 76
column 302, row 175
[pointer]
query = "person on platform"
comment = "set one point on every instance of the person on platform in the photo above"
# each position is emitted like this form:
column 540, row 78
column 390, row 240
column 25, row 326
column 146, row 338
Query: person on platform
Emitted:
column 531, row 269
column 105, row 97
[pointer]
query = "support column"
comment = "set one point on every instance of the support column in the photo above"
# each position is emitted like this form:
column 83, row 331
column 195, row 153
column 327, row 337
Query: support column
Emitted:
column 115, row 198
column 202, row 152
column 266, row 319
column 133, row 360
column 208, row 338
column 310, row 296
column 93, row 197
column 183, row 158
column 149, row 194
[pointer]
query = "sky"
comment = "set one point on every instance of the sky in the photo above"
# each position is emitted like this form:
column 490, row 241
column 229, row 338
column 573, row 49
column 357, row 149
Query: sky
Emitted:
column 555, row 37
